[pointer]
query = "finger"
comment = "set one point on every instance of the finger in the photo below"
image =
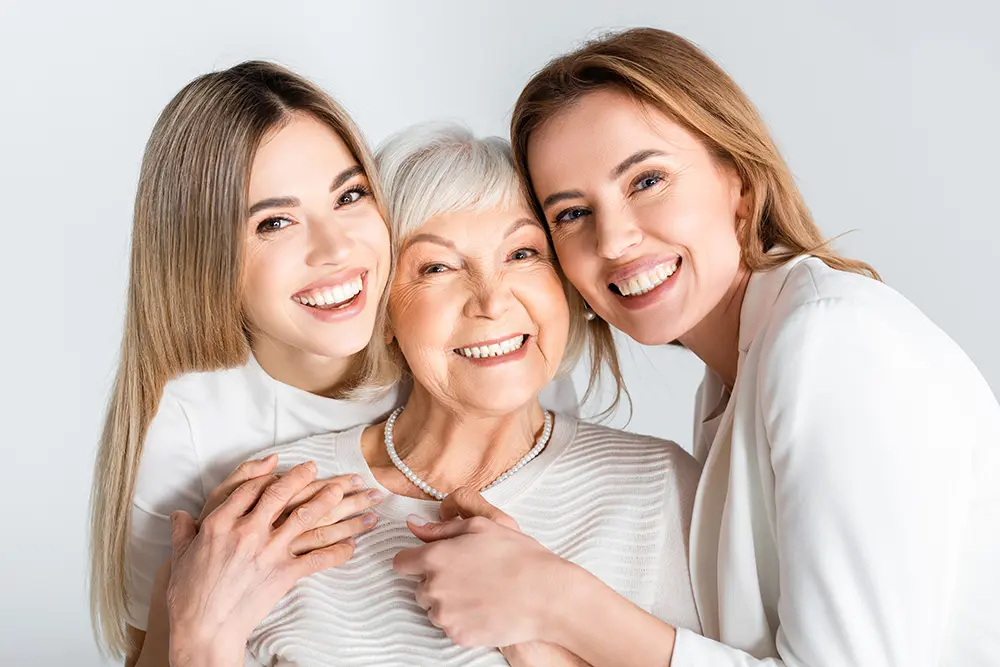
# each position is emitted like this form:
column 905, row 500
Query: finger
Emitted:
column 466, row 503
column 324, row 536
column 182, row 532
column 411, row 562
column 349, row 506
column 431, row 531
column 322, row 559
column 244, row 472
column 347, row 483
column 421, row 596
column 240, row 501
column 309, row 515
column 276, row 495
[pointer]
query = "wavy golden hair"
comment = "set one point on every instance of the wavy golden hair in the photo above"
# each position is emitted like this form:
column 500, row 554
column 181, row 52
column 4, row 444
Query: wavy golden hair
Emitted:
column 670, row 74
column 186, row 275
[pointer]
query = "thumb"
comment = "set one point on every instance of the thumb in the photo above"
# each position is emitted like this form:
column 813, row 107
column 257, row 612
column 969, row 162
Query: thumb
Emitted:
column 466, row 503
column 183, row 530
column 430, row 531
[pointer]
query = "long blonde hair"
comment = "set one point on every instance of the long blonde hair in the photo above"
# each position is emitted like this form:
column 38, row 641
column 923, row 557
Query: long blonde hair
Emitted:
column 670, row 74
column 183, row 311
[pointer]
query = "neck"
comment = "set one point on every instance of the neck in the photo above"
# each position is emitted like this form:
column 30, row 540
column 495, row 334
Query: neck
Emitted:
column 323, row 376
column 715, row 340
column 450, row 448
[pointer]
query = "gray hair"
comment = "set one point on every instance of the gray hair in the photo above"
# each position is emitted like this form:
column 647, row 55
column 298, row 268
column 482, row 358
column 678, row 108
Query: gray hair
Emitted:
column 435, row 168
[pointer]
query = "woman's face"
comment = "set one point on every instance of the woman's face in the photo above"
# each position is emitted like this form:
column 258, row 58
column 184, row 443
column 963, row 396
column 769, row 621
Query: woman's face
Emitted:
column 642, row 218
column 317, row 249
column 478, row 309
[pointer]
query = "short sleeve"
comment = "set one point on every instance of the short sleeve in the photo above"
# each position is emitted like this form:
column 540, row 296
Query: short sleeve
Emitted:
column 169, row 479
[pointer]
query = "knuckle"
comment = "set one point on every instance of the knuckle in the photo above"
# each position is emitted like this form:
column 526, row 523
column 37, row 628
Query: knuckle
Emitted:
column 479, row 523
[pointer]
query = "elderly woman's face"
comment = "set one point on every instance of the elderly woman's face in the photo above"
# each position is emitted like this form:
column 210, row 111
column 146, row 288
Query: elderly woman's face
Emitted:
column 478, row 310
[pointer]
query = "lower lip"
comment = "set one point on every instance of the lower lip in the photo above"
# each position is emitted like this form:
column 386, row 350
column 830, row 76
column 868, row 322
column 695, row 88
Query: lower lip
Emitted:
column 485, row 362
column 343, row 313
column 652, row 296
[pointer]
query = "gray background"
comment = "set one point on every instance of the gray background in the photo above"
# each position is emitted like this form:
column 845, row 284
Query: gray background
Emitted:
column 887, row 112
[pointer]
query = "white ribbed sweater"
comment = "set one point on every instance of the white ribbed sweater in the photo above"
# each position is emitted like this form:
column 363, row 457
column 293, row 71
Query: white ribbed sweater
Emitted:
column 616, row 503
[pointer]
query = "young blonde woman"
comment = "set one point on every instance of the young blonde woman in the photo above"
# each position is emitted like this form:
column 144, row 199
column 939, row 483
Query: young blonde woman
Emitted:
column 848, row 512
column 259, row 261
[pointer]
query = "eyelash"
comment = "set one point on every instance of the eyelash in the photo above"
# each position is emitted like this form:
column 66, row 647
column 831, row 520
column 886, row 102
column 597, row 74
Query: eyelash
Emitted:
column 426, row 269
column 361, row 190
column 560, row 218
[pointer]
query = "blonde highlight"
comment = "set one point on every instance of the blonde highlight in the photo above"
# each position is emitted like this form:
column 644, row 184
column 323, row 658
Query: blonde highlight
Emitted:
column 669, row 74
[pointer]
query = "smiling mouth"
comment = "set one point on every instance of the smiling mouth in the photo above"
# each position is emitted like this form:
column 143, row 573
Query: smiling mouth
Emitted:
column 333, row 297
column 646, row 281
column 498, row 349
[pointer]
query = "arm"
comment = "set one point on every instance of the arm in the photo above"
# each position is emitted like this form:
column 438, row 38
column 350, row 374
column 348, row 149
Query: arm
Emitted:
column 868, row 498
column 863, row 417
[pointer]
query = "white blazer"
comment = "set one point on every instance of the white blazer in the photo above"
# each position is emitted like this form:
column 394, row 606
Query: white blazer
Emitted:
column 849, row 508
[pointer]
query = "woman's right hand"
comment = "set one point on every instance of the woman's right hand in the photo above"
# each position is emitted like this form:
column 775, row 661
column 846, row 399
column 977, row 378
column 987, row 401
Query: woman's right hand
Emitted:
column 230, row 571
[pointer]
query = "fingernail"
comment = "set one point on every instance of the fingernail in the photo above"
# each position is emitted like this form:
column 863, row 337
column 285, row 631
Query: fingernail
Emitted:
column 369, row 520
column 375, row 495
column 311, row 466
column 265, row 459
column 350, row 540
column 417, row 520
column 357, row 481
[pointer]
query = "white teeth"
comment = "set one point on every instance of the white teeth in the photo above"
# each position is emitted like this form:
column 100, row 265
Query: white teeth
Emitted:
column 647, row 280
column 328, row 296
column 493, row 350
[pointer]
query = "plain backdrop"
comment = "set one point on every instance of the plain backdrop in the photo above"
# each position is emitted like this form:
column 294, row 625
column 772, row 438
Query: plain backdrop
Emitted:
column 886, row 111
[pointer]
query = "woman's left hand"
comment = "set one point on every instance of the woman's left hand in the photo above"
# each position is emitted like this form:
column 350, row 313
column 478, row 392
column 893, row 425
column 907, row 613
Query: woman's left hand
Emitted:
column 484, row 582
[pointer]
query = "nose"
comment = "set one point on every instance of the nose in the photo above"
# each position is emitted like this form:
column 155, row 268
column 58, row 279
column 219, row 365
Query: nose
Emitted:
column 617, row 232
column 330, row 242
column 490, row 298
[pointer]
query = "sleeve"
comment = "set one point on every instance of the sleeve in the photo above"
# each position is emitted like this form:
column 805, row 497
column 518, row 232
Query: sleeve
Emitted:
column 560, row 396
column 169, row 479
column 674, row 601
column 860, row 410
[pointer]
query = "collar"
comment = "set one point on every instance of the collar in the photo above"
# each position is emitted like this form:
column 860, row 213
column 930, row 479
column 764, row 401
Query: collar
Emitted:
column 761, row 295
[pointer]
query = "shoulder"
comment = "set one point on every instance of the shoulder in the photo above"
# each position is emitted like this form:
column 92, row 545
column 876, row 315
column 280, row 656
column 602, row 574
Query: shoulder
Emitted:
column 820, row 306
column 208, row 392
column 621, row 448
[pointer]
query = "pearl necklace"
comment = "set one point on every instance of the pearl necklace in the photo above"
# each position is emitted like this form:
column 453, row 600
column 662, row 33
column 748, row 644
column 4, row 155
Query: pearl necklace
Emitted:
column 390, row 447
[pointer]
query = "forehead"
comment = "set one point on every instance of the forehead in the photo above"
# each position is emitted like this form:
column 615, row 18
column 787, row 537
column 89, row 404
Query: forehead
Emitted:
column 478, row 228
column 299, row 154
column 600, row 130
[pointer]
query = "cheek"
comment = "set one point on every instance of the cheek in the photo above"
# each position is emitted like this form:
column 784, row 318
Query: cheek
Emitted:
column 269, row 280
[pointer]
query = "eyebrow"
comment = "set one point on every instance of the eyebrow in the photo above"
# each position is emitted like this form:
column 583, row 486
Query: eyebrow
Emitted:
column 345, row 176
column 623, row 166
column 291, row 202
column 633, row 159
column 274, row 202
column 523, row 222
column 428, row 238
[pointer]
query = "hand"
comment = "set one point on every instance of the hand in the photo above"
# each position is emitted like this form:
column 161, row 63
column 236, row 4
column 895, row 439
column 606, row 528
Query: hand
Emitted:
column 541, row 654
column 230, row 572
column 484, row 582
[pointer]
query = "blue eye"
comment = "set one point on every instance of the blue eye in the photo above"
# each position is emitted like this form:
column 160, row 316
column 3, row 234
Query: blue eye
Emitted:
column 647, row 181
column 522, row 254
column 571, row 214
column 273, row 224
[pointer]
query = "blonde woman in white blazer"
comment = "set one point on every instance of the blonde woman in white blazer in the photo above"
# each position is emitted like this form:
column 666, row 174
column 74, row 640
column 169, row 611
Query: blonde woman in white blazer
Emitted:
column 848, row 511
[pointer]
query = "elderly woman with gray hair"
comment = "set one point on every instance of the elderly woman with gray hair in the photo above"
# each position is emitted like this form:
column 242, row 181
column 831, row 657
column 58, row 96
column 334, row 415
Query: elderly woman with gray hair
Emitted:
column 480, row 321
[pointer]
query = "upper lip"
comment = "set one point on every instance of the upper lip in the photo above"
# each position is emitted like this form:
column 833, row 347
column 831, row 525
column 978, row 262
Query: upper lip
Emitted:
column 490, row 342
column 638, row 266
column 338, row 278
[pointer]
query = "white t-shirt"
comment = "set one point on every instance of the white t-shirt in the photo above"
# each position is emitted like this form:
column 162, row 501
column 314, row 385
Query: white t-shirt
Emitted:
column 209, row 423
column 615, row 503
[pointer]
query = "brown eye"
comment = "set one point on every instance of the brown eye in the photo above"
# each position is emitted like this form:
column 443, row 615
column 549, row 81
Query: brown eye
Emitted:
column 353, row 195
column 273, row 225
column 523, row 253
